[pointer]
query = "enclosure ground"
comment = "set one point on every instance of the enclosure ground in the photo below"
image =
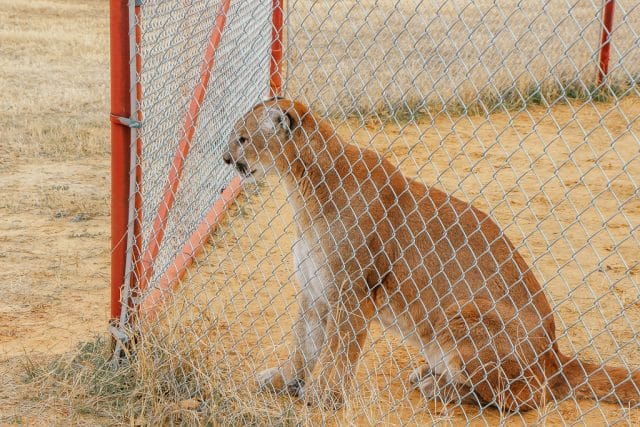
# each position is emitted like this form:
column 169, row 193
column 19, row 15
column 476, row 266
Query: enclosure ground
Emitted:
column 54, row 228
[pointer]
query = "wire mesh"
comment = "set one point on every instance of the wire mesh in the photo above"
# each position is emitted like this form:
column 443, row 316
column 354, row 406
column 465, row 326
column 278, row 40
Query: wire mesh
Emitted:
column 174, row 38
column 492, row 103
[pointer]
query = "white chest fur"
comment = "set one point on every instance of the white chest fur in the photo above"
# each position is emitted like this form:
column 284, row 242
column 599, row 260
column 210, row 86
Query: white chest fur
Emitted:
column 310, row 267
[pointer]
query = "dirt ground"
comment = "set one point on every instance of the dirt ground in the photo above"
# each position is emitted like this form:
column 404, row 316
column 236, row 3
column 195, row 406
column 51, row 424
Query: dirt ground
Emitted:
column 54, row 229
column 573, row 209
column 565, row 195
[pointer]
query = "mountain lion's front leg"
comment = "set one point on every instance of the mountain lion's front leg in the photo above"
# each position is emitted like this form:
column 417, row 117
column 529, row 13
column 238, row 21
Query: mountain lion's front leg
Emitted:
column 347, row 324
column 308, row 339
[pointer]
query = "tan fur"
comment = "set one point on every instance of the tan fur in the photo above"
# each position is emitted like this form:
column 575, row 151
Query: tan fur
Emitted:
column 374, row 244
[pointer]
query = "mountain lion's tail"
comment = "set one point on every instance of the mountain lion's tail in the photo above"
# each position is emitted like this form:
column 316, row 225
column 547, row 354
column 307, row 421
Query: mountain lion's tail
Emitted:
column 604, row 383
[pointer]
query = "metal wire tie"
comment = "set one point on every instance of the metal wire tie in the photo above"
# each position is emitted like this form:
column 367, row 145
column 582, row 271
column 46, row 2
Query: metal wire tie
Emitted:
column 129, row 122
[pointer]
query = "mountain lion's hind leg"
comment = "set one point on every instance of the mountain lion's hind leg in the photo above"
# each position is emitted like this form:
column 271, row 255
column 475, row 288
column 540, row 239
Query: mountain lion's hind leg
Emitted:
column 497, row 353
column 438, row 386
column 440, row 382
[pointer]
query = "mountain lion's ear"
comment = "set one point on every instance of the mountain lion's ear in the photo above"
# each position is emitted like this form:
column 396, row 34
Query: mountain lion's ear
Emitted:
column 274, row 118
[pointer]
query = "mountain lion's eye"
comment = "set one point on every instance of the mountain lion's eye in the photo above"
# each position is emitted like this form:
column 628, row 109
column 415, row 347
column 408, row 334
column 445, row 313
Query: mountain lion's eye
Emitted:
column 242, row 140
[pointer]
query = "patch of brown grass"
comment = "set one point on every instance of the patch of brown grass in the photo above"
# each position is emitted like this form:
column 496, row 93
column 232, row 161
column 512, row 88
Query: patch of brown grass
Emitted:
column 54, row 62
column 57, row 189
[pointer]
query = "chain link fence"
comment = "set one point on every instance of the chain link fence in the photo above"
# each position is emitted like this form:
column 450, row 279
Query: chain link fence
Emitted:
column 493, row 103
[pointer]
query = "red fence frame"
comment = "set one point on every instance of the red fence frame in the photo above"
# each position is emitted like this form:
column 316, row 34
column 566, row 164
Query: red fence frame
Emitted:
column 120, row 148
column 121, row 161
column 122, row 120
column 605, row 40
column 277, row 42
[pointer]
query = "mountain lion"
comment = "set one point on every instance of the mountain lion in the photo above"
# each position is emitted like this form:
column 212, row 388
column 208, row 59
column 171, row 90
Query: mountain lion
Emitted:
column 374, row 244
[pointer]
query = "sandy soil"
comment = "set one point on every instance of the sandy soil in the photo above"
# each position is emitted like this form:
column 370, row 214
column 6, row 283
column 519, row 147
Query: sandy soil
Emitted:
column 55, row 255
column 572, row 209
column 54, row 252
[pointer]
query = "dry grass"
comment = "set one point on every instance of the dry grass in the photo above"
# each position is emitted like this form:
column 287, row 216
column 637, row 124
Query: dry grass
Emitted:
column 54, row 223
column 167, row 383
column 54, row 67
column 347, row 58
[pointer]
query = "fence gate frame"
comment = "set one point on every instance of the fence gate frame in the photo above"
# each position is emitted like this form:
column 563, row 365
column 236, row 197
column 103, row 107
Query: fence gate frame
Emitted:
column 126, row 117
column 126, row 171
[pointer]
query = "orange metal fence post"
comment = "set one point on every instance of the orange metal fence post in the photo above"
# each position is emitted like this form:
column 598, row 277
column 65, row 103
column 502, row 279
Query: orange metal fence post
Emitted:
column 120, row 147
column 605, row 40
column 277, row 34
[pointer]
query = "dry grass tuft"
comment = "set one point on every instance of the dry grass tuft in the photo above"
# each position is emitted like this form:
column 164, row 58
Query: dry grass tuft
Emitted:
column 78, row 384
column 164, row 384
